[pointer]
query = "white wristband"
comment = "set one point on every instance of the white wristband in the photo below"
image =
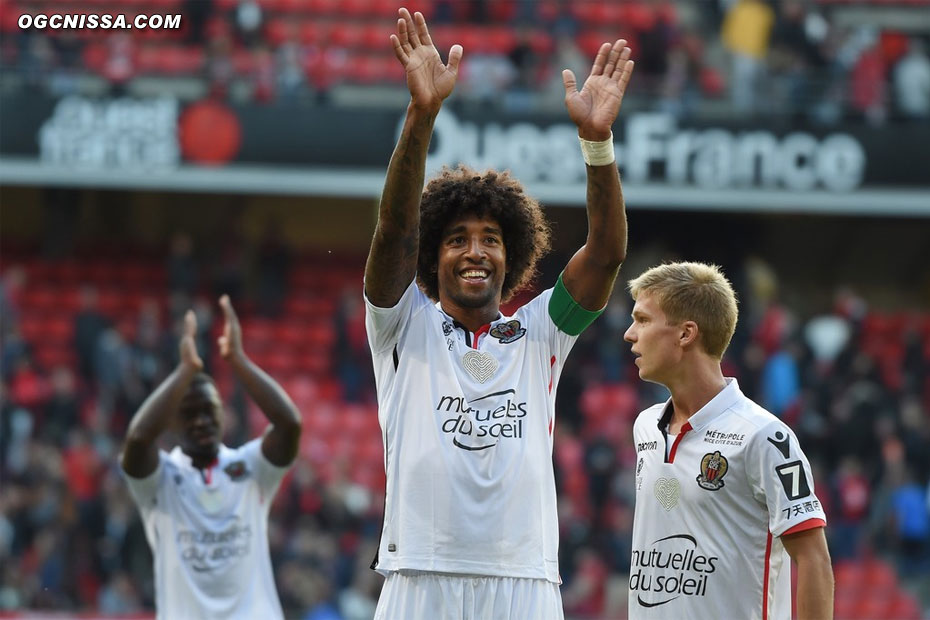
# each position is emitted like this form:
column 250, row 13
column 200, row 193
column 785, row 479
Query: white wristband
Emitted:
column 598, row 153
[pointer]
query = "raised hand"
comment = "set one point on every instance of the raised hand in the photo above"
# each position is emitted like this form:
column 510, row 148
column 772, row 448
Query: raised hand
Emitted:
column 428, row 79
column 188, row 346
column 231, row 340
column 595, row 107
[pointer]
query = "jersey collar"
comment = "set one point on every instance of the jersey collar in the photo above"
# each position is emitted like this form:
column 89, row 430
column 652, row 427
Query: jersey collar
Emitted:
column 438, row 305
column 471, row 338
column 180, row 457
column 725, row 398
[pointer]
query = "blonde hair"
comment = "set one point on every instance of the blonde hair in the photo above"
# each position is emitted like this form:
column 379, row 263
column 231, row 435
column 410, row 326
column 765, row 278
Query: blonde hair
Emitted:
column 693, row 292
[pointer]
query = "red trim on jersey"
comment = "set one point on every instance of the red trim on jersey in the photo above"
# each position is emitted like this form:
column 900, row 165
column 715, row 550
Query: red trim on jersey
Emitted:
column 765, row 577
column 684, row 431
column 208, row 472
column 481, row 330
column 806, row 525
column 551, row 373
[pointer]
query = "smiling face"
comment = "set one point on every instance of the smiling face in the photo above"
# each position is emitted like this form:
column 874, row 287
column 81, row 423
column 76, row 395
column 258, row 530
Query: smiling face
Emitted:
column 656, row 343
column 472, row 263
column 200, row 421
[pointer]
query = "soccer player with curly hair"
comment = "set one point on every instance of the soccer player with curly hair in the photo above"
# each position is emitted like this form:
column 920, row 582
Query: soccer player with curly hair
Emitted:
column 466, row 396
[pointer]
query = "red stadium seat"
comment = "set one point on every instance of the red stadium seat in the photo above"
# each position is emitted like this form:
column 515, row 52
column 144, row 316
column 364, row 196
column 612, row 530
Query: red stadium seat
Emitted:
column 258, row 332
column 95, row 56
column 542, row 42
column 278, row 30
column 52, row 356
column 356, row 9
column 376, row 37
column 321, row 336
column 590, row 41
column 325, row 7
column 500, row 40
column 583, row 12
column 346, row 34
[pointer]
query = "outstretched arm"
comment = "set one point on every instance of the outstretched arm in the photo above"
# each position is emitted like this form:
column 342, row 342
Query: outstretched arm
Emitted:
column 590, row 274
column 809, row 551
column 392, row 260
column 282, row 439
column 140, row 452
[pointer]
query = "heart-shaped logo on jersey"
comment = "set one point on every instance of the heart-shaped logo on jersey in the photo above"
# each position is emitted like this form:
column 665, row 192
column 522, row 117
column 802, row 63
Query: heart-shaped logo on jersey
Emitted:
column 481, row 366
column 667, row 491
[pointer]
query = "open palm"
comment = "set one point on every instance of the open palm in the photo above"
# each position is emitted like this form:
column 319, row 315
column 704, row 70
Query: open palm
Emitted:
column 188, row 344
column 429, row 80
column 595, row 107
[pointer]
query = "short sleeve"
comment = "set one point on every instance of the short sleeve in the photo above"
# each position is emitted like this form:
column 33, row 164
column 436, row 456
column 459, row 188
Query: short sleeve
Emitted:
column 268, row 476
column 537, row 312
column 384, row 325
column 144, row 491
column 782, row 478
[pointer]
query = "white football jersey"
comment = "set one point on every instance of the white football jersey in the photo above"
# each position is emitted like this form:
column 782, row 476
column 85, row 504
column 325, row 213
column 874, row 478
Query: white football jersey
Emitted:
column 711, row 505
column 467, row 422
column 208, row 530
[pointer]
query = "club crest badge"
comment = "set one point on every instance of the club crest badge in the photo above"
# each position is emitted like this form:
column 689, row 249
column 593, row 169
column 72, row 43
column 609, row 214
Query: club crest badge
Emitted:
column 713, row 468
column 236, row 471
column 447, row 328
column 508, row 332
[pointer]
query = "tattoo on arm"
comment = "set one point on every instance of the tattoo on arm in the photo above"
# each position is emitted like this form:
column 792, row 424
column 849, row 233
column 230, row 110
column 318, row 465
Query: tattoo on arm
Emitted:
column 392, row 261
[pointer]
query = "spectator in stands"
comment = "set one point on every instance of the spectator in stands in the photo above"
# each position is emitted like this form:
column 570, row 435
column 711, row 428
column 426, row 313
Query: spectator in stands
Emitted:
column 912, row 82
column 89, row 323
column 196, row 13
column 27, row 385
column 248, row 21
column 868, row 83
column 274, row 268
column 681, row 85
column 487, row 77
column 263, row 74
column 569, row 56
column 219, row 66
column 120, row 65
column 183, row 269
column 353, row 359
column 36, row 59
column 112, row 367
column 525, row 61
column 912, row 526
column 11, row 287
column 656, row 31
column 118, row 597
column 795, row 53
column 61, row 410
column 202, row 488
column 853, row 500
column 746, row 31
column 289, row 58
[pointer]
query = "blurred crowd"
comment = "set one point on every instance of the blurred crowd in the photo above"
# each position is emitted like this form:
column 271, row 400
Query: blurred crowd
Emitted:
column 852, row 382
column 791, row 58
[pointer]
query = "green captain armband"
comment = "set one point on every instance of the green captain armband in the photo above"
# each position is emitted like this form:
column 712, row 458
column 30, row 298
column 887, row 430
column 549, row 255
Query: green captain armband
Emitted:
column 565, row 312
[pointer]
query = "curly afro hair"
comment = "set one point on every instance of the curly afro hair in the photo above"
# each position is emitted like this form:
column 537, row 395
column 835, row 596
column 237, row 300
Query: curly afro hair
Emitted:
column 462, row 191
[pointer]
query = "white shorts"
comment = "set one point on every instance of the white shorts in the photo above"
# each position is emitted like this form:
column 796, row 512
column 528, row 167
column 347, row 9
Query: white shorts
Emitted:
column 415, row 595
